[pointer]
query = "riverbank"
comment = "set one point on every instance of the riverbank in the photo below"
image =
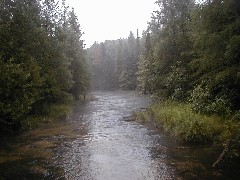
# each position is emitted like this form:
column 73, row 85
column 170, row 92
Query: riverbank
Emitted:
column 97, row 142
column 192, row 128
column 54, row 113
column 93, row 143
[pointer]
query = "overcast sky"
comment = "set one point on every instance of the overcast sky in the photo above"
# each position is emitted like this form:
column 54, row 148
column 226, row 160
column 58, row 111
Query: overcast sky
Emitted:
column 111, row 19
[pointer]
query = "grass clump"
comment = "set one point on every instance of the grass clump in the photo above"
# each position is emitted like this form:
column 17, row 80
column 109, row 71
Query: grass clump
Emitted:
column 56, row 111
column 59, row 111
column 190, row 126
column 144, row 116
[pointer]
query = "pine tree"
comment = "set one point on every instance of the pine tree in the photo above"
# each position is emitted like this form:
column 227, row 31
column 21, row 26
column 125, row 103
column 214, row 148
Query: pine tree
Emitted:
column 216, row 39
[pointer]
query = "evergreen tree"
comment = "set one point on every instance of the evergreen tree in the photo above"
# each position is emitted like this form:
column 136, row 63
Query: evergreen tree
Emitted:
column 36, row 65
column 216, row 39
column 20, row 76
column 146, row 66
column 171, row 47
column 76, row 55
column 128, row 78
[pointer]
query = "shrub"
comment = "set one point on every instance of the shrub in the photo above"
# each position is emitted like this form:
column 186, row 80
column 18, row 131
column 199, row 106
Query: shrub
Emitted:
column 200, row 99
column 203, row 101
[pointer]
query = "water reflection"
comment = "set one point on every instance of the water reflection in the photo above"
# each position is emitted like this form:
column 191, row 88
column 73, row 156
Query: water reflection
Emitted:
column 113, row 148
column 96, row 143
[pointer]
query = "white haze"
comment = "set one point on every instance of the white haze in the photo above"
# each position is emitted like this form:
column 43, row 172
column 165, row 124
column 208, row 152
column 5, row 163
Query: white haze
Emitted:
column 111, row 19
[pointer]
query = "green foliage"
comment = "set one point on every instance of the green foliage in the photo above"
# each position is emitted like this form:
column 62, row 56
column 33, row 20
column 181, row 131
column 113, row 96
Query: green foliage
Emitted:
column 42, row 60
column 164, row 63
column 215, row 36
column 76, row 54
column 143, row 116
column 191, row 52
column 18, row 90
column 201, row 98
column 202, row 101
column 146, row 66
column 55, row 112
column 177, row 82
column 189, row 126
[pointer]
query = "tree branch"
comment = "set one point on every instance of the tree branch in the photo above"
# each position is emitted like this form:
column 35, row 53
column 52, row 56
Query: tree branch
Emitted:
column 223, row 153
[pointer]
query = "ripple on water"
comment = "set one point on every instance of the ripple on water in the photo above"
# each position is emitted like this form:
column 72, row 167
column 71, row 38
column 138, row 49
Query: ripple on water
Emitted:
column 112, row 148
column 95, row 143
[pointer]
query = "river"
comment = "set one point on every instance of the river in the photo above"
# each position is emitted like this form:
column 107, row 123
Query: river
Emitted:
column 97, row 143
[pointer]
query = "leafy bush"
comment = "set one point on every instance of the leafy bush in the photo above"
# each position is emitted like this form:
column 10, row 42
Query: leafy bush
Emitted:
column 200, row 99
column 203, row 101
column 221, row 106
column 177, row 82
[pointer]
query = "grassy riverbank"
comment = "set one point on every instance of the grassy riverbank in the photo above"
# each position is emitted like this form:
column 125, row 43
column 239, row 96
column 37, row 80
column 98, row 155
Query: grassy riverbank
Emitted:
column 54, row 112
column 60, row 111
column 194, row 128
column 189, row 126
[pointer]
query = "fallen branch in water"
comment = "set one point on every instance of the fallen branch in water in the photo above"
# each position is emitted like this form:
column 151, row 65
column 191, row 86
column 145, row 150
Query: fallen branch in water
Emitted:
column 128, row 118
column 226, row 147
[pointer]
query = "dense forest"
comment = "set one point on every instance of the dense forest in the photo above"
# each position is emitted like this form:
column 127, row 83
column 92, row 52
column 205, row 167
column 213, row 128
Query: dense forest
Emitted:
column 42, row 60
column 190, row 52
column 187, row 62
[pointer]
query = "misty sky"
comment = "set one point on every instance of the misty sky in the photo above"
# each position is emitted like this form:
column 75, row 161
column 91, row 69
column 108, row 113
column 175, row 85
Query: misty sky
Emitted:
column 111, row 19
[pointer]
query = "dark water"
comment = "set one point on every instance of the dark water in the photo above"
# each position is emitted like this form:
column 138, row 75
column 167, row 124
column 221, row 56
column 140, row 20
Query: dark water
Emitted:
column 97, row 143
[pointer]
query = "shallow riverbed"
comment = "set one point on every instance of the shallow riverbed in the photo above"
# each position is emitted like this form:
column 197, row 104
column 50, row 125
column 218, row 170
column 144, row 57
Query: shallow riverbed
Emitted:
column 97, row 143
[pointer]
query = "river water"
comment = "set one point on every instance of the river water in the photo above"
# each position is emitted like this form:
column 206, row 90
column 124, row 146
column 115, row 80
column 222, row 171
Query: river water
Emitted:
column 97, row 143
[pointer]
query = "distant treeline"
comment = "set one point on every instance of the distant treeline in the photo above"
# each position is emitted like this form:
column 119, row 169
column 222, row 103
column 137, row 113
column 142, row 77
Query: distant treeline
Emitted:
column 114, row 63
column 189, row 53
column 42, row 59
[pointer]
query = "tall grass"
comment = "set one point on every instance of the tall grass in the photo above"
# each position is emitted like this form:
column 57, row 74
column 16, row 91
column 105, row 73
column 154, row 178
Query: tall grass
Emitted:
column 57, row 111
column 189, row 126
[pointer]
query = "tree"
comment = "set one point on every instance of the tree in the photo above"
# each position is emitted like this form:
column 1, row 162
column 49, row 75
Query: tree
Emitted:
column 146, row 65
column 128, row 78
column 76, row 54
column 20, row 73
column 169, row 45
column 36, row 57
column 216, row 39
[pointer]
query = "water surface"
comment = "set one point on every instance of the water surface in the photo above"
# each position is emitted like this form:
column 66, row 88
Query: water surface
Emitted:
column 97, row 143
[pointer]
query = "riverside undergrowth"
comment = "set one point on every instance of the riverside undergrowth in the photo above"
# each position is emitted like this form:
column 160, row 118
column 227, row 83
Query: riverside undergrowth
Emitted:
column 59, row 111
column 181, row 121
column 54, row 112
